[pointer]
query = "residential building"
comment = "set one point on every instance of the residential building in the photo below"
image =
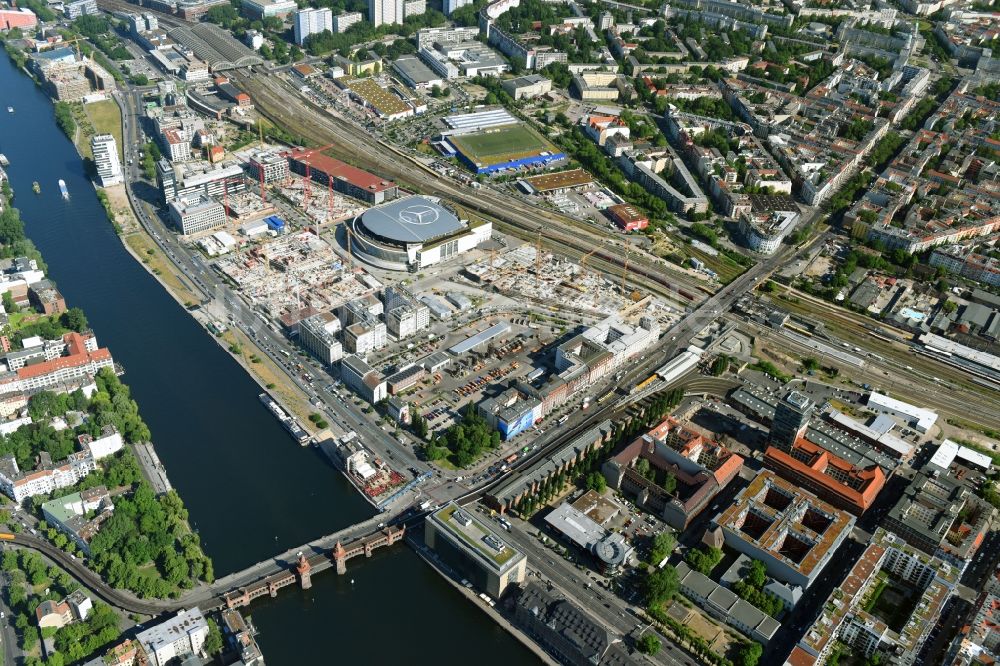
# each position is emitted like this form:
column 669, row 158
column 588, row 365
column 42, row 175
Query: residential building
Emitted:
column 698, row 469
column 105, row 152
column 47, row 476
column 566, row 631
column 82, row 360
column 362, row 379
column 414, row 8
column 79, row 515
column 78, row 8
column 941, row 516
column 260, row 9
column 109, row 443
column 452, row 5
column 318, row 334
column 791, row 531
column 723, row 604
column 182, row 635
column 311, row 21
column 852, row 614
column 382, row 12
column 764, row 231
column 472, row 548
column 970, row 265
column 196, row 213
column 240, row 635
column 343, row 21
column 56, row 615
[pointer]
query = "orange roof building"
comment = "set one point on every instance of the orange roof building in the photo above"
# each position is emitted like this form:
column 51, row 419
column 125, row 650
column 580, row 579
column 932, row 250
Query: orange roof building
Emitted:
column 832, row 479
column 700, row 467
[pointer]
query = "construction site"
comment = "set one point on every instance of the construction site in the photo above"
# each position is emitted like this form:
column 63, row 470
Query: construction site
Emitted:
column 527, row 273
column 294, row 272
column 320, row 204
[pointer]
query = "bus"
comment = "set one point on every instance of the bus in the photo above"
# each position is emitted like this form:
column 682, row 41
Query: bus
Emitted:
column 563, row 419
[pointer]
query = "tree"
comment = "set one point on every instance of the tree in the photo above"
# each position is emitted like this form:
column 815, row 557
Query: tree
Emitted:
column 670, row 483
column 719, row 366
column 663, row 545
column 750, row 654
column 74, row 319
column 596, row 482
column 758, row 574
column 649, row 644
column 810, row 364
column 9, row 305
column 661, row 585
column 140, row 80
column 213, row 642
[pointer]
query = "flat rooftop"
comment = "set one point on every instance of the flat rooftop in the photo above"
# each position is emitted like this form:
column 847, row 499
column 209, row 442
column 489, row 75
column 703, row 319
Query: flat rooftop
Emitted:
column 547, row 182
column 338, row 170
column 484, row 542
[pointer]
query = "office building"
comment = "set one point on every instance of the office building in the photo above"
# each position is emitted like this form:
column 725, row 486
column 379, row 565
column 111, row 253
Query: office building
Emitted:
column 566, row 631
column 196, row 213
column 310, row 22
column 341, row 22
column 700, row 468
column 272, row 164
column 609, row 549
column 260, row 9
column 791, row 531
column 318, row 334
column 511, row 412
column 791, row 417
column 474, row 550
column 78, row 8
column 17, row 18
column 362, row 379
column 527, row 87
column 383, row 12
column 414, row 8
column 105, row 151
column 180, row 636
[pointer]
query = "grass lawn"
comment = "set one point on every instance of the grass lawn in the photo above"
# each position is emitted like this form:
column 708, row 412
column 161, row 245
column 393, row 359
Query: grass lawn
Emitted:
column 107, row 119
column 500, row 144
column 141, row 244
column 727, row 269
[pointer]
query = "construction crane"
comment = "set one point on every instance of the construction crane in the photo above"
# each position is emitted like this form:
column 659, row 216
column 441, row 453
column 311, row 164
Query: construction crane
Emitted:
column 306, row 192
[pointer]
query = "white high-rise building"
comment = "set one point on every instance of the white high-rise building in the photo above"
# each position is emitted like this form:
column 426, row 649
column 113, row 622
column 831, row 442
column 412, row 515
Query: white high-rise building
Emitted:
column 105, row 150
column 385, row 11
column 452, row 5
column 310, row 22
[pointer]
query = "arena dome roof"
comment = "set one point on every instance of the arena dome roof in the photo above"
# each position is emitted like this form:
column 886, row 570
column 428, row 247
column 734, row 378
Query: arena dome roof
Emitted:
column 414, row 219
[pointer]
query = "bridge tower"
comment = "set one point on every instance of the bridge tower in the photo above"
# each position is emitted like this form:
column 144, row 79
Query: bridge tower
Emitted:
column 302, row 568
column 340, row 557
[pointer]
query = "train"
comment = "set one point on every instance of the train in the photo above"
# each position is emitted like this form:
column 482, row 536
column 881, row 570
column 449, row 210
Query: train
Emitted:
column 6, row 536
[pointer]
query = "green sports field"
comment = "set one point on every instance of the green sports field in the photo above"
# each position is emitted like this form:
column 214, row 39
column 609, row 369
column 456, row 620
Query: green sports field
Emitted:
column 500, row 144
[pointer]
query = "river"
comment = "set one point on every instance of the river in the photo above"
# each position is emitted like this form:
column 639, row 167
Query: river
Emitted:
column 250, row 490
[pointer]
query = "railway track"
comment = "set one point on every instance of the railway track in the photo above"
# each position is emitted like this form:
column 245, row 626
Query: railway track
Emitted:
column 169, row 20
column 285, row 108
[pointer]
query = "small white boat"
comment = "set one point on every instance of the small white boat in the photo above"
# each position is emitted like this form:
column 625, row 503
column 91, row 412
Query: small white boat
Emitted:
column 62, row 188
column 10, row 109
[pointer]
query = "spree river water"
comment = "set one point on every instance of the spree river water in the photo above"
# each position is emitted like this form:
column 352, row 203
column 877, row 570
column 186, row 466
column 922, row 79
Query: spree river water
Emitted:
column 250, row 490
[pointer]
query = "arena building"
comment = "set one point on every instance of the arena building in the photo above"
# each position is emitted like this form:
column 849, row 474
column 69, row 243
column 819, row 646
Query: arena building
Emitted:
column 414, row 232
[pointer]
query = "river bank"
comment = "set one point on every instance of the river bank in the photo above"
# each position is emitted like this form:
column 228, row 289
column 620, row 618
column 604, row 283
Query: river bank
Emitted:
column 249, row 493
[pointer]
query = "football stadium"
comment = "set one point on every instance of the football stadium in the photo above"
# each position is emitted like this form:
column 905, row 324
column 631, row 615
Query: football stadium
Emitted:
column 503, row 147
column 414, row 232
